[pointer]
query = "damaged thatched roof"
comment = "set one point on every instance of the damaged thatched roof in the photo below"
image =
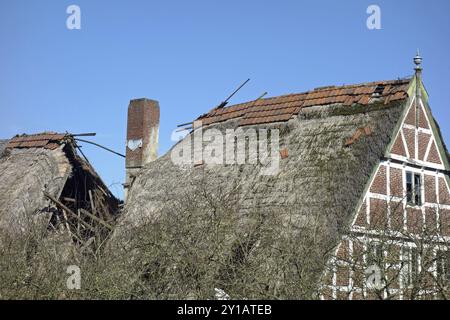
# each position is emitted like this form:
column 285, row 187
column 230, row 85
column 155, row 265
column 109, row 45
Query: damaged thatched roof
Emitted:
column 31, row 165
column 332, row 139
column 3, row 144
column 46, row 140
column 328, row 151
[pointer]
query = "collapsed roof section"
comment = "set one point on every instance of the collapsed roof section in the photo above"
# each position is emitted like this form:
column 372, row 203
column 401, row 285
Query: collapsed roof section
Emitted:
column 42, row 178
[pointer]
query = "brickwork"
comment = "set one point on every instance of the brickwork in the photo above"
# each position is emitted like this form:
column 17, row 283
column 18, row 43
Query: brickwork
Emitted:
column 433, row 156
column 411, row 116
column 399, row 147
column 410, row 142
column 143, row 117
column 423, row 141
column 142, row 137
column 430, row 188
column 396, row 180
column 379, row 183
column 389, row 211
column 444, row 196
column 423, row 123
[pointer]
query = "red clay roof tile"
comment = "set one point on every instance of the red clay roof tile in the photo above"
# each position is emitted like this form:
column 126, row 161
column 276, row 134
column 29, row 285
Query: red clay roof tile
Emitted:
column 47, row 140
column 282, row 108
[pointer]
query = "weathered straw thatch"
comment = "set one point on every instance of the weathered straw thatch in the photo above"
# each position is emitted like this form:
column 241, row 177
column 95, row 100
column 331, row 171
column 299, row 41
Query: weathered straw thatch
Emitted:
column 329, row 149
column 24, row 174
column 327, row 166
column 32, row 166
column 331, row 139
column 3, row 144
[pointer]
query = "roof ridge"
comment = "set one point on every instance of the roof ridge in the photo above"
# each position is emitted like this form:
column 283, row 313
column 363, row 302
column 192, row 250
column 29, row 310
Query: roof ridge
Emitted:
column 283, row 107
column 38, row 134
column 47, row 140
column 334, row 87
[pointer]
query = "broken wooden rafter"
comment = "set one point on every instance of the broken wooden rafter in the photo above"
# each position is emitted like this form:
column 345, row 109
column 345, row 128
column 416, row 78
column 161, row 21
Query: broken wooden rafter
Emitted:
column 91, row 200
column 73, row 235
column 88, row 134
column 66, row 221
column 103, row 223
column 63, row 207
column 78, row 224
column 90, row 215
column 100, row 146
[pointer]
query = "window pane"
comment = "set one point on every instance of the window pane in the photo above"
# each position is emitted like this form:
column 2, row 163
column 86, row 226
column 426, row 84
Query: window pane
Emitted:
column 409, row 187
column 417, row 189
column 408, row 177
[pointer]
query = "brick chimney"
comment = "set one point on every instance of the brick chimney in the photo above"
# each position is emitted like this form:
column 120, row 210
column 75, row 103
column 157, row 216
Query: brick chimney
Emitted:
column 142, row 137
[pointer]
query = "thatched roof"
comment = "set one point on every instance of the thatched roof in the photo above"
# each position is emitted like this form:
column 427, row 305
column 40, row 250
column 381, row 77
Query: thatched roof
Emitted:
column 329, row 148
column 3, row 144
column 332, row 148
column 24, row 174
column 33, row 164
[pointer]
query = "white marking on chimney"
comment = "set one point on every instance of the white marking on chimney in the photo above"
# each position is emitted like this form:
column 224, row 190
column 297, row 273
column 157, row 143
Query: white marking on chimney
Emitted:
column 134, row 144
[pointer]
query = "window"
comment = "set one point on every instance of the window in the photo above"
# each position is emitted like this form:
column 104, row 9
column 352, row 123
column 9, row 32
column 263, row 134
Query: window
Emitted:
column 374, row 259
column 414, row 188
column 378, row 90
column 375, row 254
column 411, row 265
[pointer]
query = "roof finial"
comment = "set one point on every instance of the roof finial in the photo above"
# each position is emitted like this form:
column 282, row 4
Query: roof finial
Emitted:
column 418, row 61
column 418, row 68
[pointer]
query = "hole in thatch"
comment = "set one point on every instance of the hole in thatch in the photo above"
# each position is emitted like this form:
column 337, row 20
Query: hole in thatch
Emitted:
column 284, row 153
column 86, row 209
column 378, row 90
column 359, row 133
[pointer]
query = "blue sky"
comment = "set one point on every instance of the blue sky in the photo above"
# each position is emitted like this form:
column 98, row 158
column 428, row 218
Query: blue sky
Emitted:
column 189, row 55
